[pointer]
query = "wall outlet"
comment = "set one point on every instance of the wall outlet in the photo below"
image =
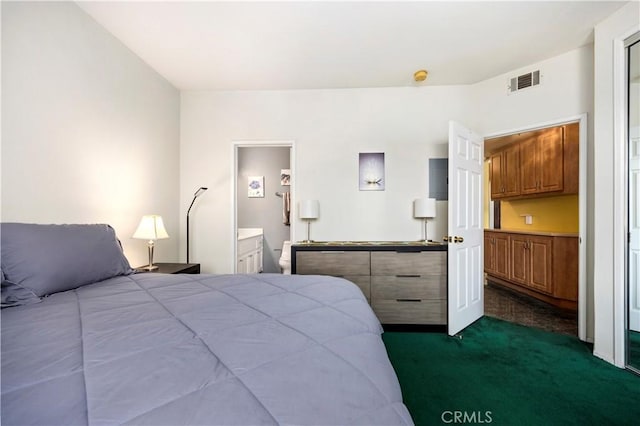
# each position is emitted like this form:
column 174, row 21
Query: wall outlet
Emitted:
column 528, row 219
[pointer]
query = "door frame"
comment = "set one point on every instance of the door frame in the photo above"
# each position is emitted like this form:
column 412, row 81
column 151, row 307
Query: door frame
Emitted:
column 581, row 119
column 620, row 196
column 634, row 133
column 237, row 144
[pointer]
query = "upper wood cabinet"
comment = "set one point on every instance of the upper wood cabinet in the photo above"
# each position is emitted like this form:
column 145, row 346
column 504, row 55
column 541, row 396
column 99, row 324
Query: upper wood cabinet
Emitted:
column 505, row 176
column 542, row 162
column 531, row 164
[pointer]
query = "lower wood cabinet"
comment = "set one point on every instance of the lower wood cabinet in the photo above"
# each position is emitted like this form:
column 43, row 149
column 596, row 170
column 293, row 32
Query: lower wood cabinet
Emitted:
column 531, row 260
column 496, row 254
column 404, row 285
column 542, row 266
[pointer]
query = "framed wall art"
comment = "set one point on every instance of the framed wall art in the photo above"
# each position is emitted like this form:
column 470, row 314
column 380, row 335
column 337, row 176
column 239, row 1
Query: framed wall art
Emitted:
column 371, row 175
column 255, row 187
column 285, row 177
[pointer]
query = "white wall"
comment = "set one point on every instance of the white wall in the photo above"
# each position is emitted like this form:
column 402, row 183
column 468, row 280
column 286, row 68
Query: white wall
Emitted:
column 90, row 133
column 330, row 128
column 609, row 178
column 566, row 91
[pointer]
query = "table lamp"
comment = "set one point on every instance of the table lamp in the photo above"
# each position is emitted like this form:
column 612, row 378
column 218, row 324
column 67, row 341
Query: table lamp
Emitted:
column 424, row 208
column 151, row 228
column 309, row 210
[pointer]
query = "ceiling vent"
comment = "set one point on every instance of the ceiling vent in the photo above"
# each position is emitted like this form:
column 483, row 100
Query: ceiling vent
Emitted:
column 524, row 81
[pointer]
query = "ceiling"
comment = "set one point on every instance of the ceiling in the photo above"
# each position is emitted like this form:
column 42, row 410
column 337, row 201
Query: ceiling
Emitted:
column 321, row 45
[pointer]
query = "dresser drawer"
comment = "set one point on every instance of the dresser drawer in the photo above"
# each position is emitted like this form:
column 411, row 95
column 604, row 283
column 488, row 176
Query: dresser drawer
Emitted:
column 362, row 281
column 408, row 263
column 423, row 287
column 411, row 312
column 336, row 263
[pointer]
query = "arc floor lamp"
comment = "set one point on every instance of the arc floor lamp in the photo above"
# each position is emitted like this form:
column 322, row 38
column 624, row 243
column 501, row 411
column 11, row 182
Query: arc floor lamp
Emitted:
column 195, row 195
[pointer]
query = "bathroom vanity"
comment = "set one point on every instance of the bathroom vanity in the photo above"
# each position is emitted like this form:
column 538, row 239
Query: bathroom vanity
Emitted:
column 250, row 250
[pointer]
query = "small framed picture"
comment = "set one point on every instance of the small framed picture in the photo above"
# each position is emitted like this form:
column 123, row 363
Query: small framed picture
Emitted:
column 255, row 187
column 371, row 171
column 285, row 177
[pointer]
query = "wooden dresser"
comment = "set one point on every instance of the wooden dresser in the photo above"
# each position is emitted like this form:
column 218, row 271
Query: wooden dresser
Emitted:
column 405, row 283
column 540, row 264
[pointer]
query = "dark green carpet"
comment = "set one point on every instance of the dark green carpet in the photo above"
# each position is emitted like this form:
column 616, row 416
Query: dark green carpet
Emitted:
column 520, row 375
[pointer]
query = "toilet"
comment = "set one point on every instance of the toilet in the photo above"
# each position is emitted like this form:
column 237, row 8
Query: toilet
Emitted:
column 285, row 258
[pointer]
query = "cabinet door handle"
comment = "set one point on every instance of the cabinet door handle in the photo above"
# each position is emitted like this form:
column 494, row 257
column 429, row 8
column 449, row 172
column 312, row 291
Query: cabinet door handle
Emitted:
column 408, row 275
column 408, row 300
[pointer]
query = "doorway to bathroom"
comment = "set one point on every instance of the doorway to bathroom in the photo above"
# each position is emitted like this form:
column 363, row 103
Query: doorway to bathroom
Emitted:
column 263, row 204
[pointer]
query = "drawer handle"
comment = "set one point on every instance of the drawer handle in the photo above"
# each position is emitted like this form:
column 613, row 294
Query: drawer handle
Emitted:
column 408, row 276
column 408, row 300
column 331, row 251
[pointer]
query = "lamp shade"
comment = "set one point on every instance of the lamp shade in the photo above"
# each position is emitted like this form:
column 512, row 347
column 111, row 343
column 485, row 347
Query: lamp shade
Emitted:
column 151, row 227
column 424, row 208
column 309, row 209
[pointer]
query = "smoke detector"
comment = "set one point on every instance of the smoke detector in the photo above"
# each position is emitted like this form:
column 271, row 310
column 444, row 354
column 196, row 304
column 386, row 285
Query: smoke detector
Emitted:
column 420, row 75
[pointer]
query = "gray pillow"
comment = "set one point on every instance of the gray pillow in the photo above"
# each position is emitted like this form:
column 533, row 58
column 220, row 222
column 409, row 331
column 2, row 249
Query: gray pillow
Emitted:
column 14, row 295
column 46, row 259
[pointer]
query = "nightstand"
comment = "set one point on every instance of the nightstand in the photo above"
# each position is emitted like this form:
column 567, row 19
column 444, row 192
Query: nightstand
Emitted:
column 173, row 268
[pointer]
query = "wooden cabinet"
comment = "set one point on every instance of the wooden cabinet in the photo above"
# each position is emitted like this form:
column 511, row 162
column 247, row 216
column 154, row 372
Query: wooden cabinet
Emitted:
column 496, row 258
column 404, row 284
column 505, row 175
column 531, row 164
column 542, row 266
column 531, row 262
column 542, row 162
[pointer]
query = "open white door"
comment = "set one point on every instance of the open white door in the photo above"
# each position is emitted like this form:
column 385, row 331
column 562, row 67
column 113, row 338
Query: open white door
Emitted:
column 466, row 292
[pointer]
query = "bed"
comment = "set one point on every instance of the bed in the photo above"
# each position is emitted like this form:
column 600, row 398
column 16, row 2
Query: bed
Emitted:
column 86, row 341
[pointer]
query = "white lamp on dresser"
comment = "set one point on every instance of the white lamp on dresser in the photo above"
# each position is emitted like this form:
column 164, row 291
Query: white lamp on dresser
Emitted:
column 424, row 208
column 309, row 210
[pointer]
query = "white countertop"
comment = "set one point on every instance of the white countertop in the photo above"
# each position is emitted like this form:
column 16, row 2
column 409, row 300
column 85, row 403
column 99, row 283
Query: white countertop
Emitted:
column 244, row 233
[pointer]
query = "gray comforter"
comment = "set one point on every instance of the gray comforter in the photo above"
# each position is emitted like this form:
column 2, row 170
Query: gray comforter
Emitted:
column 199, row 349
